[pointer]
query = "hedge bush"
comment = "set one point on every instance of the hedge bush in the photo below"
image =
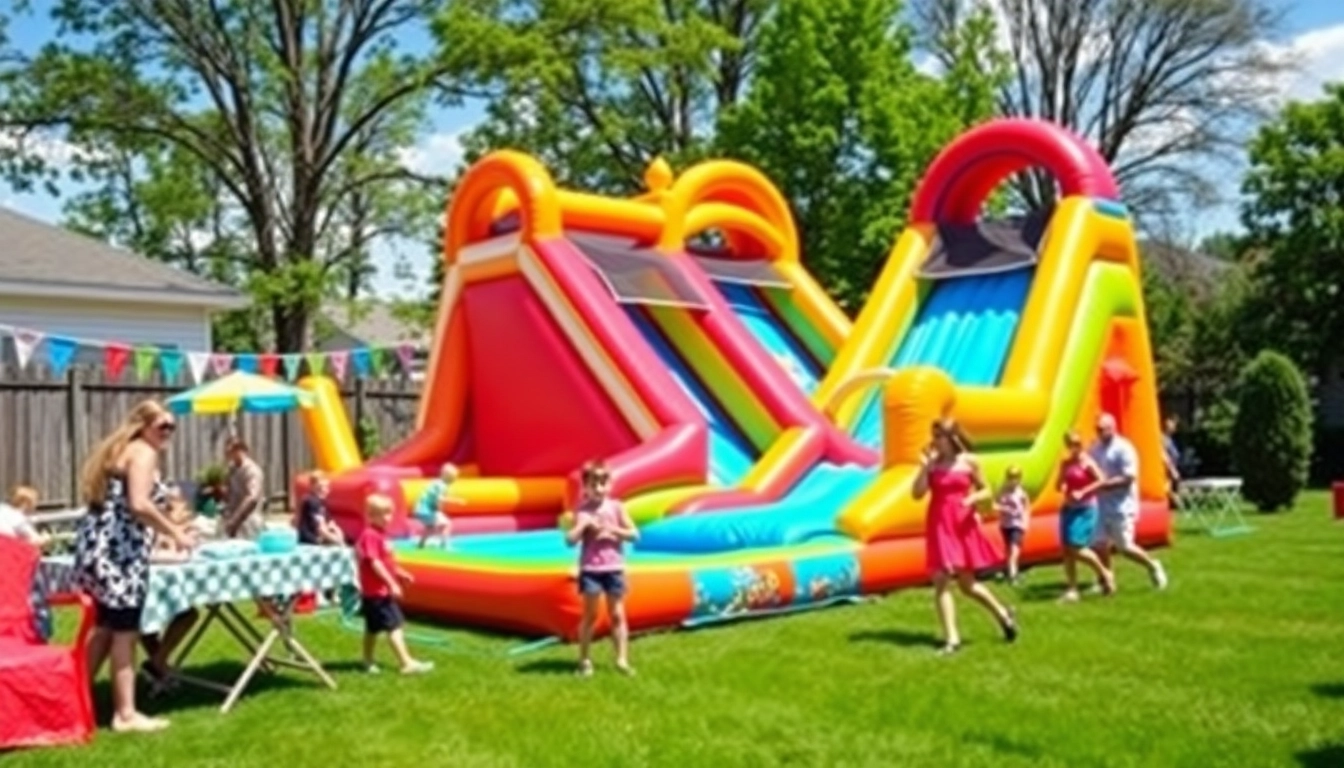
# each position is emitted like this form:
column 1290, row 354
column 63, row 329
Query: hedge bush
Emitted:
column 1271, row 434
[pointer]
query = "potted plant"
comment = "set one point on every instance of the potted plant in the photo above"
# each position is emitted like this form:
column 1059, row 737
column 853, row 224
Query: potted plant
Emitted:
column 211, row 489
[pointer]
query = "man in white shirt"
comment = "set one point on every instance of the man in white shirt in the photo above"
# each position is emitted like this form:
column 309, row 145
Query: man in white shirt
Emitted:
column 1118, row 500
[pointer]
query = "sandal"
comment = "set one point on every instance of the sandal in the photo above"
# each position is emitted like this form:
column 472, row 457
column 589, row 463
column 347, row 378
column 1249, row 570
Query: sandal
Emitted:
column 585, row 669
column 949, row 648
column 625, row 669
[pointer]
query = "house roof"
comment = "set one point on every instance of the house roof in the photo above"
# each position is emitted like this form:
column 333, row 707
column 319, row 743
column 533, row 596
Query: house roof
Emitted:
column 1191, row 269
column 41, row 259
column 370, row 323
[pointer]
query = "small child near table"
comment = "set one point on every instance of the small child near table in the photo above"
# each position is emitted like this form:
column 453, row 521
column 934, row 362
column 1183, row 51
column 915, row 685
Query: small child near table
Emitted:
column 14, row 516
column 314, row 525
column 1014, row 508
column 165, row 550
column 380, row 581
column 429, row 507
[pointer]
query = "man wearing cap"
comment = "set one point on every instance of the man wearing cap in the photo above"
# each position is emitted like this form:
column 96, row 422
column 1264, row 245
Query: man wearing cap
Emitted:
column 1118, row 500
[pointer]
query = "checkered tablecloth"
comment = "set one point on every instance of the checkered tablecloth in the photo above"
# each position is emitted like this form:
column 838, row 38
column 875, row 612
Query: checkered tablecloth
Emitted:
column 201, row 582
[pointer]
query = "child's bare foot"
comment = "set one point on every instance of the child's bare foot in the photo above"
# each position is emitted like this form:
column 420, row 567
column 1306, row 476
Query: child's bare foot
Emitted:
column 625, row 669
column 585, row 668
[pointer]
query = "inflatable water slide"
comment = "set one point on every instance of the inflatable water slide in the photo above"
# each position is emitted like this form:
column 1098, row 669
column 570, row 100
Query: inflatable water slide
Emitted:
column 764, row 446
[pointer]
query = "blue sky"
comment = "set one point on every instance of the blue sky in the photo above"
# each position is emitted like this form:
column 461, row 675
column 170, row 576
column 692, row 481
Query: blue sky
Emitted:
column 1313, row 28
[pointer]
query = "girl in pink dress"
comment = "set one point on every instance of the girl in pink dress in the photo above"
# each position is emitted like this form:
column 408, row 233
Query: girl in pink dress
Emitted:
column 955, row 546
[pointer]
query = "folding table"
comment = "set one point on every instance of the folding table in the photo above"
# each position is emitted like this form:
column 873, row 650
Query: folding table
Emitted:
column 216, row 586
column 1215, row 504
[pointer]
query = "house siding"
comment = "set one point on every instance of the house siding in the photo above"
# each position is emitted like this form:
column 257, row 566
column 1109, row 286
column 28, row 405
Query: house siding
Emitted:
column 94, row 322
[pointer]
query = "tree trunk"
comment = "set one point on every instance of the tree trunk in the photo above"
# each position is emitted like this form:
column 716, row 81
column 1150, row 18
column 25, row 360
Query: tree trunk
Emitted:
column 291, row 328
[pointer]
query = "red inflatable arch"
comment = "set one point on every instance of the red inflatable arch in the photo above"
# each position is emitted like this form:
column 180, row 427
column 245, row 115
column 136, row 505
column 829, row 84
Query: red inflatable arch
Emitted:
column 968, row 169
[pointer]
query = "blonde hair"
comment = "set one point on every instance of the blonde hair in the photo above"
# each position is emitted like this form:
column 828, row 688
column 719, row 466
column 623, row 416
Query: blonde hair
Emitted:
column 316, row 476
column 448, row 470
column 1013, row 472
column 23, row 497
column 377, row 502
column 102, row 461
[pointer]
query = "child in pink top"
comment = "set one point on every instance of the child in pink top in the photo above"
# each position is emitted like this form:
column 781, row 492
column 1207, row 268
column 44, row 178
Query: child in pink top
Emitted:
column 1014, row 508
column 1079, row 479
column 601, row 528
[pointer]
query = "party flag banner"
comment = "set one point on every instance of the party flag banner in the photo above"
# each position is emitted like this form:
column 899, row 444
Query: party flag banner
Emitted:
column 197, row 363
column 60, row 352
column 170, row 362
column 291, row 363
column 115, row 358
column 145, row 357
column 339, row 362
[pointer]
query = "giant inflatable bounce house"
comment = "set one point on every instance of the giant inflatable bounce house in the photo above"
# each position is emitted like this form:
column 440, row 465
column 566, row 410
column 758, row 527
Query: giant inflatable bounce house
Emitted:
column 764, row 445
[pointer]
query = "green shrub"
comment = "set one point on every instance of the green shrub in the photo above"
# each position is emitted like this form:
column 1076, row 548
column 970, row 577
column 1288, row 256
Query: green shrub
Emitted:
column 368, row 439
column 1271, row 435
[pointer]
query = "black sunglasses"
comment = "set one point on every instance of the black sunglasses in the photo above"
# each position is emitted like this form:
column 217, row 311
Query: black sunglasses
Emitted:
column 167, row 427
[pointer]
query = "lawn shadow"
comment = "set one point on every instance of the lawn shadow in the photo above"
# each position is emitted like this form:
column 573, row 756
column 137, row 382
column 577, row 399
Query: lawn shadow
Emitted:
column 1329, row 691
column 187, row 697
column 1329, row 756
column 547, row 667
column 1046, row 592
column 901, row 637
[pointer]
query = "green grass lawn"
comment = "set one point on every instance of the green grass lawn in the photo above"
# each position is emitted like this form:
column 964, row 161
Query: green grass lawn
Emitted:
column 1238, row 663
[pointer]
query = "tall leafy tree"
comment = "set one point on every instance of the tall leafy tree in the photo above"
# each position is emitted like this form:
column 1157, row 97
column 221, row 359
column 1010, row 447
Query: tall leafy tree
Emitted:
column 1166, row 89
column 838, row 115
column 597, row 88
column 1294, row 214
column 822, row 95
column 254, row 142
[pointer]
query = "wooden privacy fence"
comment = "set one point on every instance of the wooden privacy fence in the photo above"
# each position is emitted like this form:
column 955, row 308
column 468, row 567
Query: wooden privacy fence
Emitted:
column 48, row 424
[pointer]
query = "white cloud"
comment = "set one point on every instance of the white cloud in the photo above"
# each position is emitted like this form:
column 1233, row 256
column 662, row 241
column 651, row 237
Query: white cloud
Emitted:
column 1320, row 59
column 438, row 154
column 51, row 150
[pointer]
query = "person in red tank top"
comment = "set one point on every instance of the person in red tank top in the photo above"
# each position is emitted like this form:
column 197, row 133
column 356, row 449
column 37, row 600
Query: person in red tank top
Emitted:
column 956, row 547
column 1079, row 479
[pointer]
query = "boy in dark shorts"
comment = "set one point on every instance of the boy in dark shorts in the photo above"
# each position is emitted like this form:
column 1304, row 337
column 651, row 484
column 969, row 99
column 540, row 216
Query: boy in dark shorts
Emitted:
column 380, row 588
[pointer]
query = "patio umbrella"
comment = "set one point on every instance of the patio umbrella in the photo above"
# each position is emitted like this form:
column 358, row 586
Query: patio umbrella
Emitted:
column 240, row 391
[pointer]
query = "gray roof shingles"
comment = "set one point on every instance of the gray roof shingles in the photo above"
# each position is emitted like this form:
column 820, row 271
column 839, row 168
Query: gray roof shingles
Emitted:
column 41, row 254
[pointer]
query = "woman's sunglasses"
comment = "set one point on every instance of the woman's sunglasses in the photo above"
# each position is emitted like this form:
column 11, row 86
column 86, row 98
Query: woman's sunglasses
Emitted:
column 166, row 427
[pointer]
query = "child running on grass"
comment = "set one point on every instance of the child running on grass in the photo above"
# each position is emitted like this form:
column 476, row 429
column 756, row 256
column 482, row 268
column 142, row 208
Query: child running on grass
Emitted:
column 429, row 507
column 1079, row 478
column 601, row 528
column 380, row 581
column 1014, row 508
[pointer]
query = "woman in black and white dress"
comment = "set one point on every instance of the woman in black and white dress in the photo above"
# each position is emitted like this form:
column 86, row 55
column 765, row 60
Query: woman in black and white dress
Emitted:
column 120, row 483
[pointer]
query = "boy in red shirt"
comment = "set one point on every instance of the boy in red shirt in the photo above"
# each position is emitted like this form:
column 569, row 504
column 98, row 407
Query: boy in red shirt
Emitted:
column 380, row 588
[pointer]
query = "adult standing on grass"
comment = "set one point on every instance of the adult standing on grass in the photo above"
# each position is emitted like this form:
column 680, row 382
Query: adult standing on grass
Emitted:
column 1118, row 501
column 120, row 482
column 244, row 508
column 1171, row 460
column 956, row 548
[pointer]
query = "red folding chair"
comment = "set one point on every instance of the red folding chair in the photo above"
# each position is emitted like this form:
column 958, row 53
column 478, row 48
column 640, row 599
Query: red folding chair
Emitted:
column 45, row 697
